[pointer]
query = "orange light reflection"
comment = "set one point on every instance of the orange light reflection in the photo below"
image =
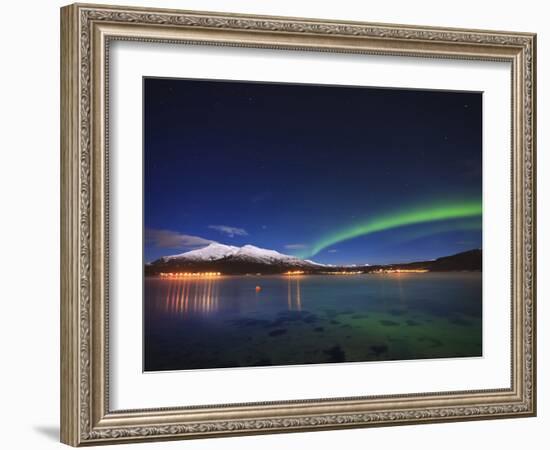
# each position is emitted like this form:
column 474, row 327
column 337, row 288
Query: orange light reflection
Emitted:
column 192, row 295
column 294, row 302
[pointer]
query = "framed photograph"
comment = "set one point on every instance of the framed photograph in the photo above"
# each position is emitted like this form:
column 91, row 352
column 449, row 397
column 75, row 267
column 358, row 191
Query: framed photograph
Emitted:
column 274, row 224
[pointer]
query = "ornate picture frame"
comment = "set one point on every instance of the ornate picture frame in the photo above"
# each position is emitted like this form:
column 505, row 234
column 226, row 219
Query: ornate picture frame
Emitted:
column 87, row 32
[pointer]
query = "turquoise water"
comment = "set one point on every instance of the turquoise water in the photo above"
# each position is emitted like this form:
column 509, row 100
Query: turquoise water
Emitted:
column 226, row 322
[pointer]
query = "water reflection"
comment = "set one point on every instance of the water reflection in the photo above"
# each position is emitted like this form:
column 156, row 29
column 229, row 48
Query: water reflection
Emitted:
column 185, row 296
column 214, row 322
column 294, row 301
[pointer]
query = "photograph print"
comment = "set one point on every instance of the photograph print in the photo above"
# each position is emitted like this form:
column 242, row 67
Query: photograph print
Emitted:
column 290, row 224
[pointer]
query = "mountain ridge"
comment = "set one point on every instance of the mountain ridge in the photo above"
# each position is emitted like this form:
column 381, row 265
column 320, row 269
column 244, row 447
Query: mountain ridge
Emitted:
column 250, row 259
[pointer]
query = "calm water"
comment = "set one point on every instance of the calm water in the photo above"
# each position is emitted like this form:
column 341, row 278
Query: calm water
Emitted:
column 224, row 322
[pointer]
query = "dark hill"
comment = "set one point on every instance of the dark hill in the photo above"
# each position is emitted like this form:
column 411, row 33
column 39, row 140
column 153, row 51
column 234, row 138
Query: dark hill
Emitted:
column 466, row 261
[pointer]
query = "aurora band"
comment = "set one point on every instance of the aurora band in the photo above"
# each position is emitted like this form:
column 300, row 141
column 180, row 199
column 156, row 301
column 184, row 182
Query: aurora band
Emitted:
column 410, row 217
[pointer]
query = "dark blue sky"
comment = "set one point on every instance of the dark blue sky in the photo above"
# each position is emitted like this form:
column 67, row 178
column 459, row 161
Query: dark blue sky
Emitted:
column 283, row 166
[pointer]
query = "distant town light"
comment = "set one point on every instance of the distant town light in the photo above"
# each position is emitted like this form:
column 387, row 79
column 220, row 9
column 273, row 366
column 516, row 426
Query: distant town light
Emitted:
column 401, row 271
column 346, row 272
column 189, row 274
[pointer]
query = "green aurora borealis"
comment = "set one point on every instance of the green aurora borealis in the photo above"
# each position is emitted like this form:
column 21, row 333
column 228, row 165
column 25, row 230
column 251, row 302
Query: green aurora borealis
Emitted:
column 433, row 213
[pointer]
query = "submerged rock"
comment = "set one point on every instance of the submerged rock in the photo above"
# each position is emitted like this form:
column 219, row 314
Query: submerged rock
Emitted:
column 278, row 332
column 335, row 354
column 389, row 323
column 379, row 349
column 434, row 341
column 460, row 321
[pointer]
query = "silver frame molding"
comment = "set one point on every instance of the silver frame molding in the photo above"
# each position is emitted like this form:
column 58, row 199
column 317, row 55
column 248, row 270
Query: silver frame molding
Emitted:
column 86, row 33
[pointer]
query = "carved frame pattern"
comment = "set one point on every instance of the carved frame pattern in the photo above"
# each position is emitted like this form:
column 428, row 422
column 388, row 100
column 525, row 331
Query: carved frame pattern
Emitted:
column 86, row 418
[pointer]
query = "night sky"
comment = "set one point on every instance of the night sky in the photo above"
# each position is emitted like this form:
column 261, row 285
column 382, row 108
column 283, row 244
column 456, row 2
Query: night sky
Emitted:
column 341, row 175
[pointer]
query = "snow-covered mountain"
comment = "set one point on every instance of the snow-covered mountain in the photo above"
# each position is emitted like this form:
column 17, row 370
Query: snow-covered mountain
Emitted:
column 212, row 252
column 250, row 253
column 231, row 259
